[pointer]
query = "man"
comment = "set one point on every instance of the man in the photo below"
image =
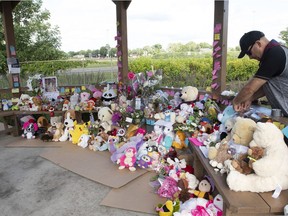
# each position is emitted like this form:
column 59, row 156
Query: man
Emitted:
column 271, row 78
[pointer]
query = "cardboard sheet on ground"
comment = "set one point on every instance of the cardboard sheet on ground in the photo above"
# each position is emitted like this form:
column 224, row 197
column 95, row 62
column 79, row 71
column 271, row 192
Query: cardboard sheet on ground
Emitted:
column 20, row 142
column 136, row 196
column 95, row 166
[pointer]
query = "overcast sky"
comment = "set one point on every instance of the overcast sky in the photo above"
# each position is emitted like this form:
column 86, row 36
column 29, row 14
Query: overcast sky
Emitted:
column 90, row 24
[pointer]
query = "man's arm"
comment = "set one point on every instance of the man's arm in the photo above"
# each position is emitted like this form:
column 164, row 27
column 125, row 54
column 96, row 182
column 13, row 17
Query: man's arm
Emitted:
column 251, row 91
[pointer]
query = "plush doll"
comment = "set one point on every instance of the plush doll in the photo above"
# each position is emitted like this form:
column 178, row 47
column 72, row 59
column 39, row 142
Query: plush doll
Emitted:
column 72, row 114
column 128, row 160
column 36, row 103
column 43, row 125
column 58, row 132
column 83, row 140
column 242, row 131
column 144, row 162
column 78, row 130
column 168, row 208
column 66, row 105
column 271, row 171
column 105, row 118
column 241, row 135
column 244, row 162
column 184, row 112
column 205, row 188
column 222, row 117
column 189, row 94
column 29, row 129
column 84, row 97
column 74, row 100
column 53, row 121
column 69, row 125
column 168, row 136
column 98, row 144
column 218, row 155
column 108, row 96
column 90, row 105
column 228, row 125
column 176, row 101
column 179, row 140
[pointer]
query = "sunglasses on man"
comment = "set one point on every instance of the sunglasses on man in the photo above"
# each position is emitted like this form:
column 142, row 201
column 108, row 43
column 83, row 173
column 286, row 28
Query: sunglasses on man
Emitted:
column 248, row 52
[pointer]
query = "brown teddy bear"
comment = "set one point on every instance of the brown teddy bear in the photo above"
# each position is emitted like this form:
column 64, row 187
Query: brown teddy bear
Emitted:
column 244, row 162
column 58, row 132
column 242, row 131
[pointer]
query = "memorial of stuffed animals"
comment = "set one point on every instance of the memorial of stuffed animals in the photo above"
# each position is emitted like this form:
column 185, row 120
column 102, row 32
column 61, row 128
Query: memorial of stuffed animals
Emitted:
column 205, row 159
column 143, row 126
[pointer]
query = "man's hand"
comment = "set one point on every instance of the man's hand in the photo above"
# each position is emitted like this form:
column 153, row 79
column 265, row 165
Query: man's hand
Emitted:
column 242, row 107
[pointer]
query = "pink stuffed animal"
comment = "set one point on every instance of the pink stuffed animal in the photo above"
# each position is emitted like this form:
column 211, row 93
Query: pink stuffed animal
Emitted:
column 29, row 129
column 128, row 160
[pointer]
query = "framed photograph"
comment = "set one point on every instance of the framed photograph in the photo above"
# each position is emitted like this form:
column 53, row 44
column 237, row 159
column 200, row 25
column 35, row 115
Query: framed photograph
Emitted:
column 50, row 87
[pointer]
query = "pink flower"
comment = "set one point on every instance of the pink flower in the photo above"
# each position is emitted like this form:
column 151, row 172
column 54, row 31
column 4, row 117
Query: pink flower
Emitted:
column 131, row 75
column 149, row 73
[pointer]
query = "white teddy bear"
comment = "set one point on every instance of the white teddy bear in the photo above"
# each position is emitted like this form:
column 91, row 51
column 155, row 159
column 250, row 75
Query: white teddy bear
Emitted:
column 105, row 118
column 271, row 170
column 189, row 93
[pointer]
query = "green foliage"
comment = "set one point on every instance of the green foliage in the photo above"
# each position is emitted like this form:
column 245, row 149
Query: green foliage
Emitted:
column 284, row 36
column 179, row 72
column 48, row 68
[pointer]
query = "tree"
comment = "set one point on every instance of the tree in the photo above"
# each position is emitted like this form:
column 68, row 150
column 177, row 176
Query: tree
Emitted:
column 36, row 39
column 284, row 36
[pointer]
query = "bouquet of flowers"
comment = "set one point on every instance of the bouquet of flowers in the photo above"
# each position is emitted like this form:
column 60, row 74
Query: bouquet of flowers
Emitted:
column 145, row 84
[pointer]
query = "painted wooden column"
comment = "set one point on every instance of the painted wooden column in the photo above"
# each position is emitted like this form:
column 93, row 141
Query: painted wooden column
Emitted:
column 6, row 10
column 219, row 47
column 121, row 38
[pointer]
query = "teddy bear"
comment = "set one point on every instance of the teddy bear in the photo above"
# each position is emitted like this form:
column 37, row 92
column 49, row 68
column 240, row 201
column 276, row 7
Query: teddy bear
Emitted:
column 105, row 118
column 128, row 160
column 242, row 131
column 53, row 121
column 218, row 155
column 244, row 162
column 58, row 132
column 189, row 94
column 270, row 171
column 241, row 135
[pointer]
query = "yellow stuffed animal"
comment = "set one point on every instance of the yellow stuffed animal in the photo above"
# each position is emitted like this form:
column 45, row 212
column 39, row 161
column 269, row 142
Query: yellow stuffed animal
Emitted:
column 179, row 141
column 79, row 129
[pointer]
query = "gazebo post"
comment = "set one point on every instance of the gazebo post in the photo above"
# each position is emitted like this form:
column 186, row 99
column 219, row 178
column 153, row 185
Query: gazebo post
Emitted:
column 14, row 78
column 121, row 38
column 219, row 47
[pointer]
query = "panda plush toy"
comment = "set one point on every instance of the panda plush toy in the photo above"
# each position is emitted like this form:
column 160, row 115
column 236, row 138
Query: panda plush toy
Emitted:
column 108, row 96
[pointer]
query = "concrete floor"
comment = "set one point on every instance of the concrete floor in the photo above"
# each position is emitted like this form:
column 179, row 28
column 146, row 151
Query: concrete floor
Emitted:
column 33, row 186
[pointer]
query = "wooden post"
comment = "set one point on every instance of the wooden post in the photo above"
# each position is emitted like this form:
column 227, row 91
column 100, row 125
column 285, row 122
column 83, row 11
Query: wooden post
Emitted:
column 121, row 37
column 219, row 47
column 6, row 10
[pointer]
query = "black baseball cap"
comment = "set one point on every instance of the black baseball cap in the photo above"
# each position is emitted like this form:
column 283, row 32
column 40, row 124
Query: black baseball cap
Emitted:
column 247, row 40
